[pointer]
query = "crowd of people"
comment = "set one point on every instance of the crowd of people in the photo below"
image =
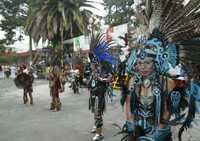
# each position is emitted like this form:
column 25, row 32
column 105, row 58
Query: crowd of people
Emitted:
column 7, row 71
column 154, row 98
column 150, row 99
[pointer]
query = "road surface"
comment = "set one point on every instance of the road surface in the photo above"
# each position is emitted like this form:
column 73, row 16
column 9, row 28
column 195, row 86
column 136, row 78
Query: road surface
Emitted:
column 19, row 122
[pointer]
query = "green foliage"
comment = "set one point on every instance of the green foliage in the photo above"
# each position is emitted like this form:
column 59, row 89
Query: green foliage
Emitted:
column 10, row 59
column 14, row 13
column 58, row 19
column 2, row 46
column 119, row 11
column 50, row 15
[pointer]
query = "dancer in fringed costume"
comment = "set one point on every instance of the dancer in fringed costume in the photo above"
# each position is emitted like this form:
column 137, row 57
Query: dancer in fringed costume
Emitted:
column 101, row 64
column 55, row 88
column 24, row 79
column 154, row 100
column 28, row 90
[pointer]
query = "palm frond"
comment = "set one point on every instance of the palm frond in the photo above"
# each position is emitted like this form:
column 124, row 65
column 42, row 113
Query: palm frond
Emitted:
column 56, row 16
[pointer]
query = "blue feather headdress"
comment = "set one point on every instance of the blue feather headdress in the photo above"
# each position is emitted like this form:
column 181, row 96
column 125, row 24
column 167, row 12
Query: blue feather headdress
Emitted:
column 153, row 48
column 99, row 50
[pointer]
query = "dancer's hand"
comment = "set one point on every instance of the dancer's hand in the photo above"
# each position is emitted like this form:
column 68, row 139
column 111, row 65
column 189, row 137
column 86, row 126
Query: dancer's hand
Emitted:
column 130, row 126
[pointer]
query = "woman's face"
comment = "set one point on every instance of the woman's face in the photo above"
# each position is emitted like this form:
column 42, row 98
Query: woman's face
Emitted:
column 145, row 66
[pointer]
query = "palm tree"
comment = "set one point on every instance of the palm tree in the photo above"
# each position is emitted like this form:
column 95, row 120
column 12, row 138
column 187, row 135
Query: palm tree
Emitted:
column 32, row 7
column 58, row 20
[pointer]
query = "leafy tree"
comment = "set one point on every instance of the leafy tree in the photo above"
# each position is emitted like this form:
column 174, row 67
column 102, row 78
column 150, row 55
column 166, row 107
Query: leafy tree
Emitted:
column 119, row 11
column 14, row 14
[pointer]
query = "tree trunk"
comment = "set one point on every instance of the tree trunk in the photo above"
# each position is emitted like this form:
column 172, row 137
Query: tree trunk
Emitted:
column 30, row 48
column 62, row 49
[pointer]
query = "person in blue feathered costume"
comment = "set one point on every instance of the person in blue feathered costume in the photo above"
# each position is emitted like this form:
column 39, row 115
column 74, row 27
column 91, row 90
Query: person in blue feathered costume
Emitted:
column 154, row 101
column 101, row 64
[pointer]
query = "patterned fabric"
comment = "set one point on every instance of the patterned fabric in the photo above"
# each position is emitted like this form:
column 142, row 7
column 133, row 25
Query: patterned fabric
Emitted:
column 56, row 87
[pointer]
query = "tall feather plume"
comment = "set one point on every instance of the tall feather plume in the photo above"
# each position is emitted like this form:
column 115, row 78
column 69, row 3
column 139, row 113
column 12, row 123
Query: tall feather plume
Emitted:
column 184, row 22
column 173, row 18
column 148, row 10
column 99, row 47
column 178, row 23
column 170, row 7
column 156, row 15
column 189, row 51
column 95, row 40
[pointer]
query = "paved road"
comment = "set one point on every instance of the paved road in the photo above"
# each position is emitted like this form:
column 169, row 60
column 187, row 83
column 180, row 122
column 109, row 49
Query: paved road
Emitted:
column 19, row 122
